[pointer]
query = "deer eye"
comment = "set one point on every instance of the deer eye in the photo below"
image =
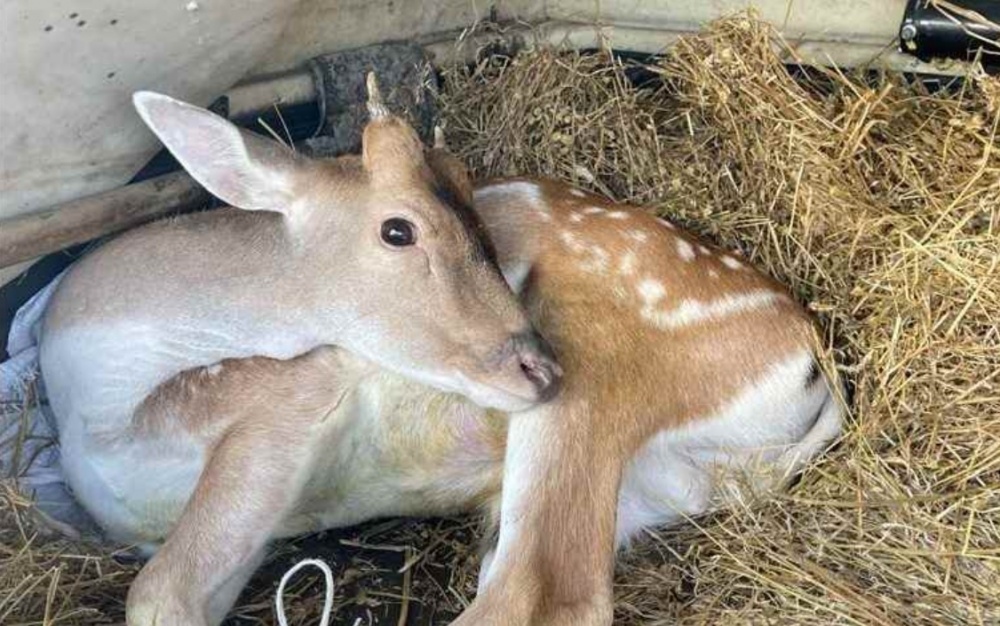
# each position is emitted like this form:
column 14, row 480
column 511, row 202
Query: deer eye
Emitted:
column 398, row 232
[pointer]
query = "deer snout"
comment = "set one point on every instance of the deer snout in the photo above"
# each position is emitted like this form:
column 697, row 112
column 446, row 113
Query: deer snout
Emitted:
column 516, row 375
column 537, row 363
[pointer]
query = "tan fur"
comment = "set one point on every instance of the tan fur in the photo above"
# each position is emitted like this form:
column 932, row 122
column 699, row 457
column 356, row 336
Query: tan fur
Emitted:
column 625, row 380
column 163, row 430
column 192, row 401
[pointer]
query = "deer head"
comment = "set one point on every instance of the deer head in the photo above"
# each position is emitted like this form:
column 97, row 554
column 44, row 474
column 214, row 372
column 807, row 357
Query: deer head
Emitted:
column 380, row 254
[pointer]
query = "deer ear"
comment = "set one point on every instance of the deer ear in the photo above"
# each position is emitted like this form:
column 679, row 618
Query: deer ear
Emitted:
column 242, row 168
column 449, row 169
column 450, row 174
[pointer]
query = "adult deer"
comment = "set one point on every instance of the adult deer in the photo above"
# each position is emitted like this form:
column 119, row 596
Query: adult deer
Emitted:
column 378, row 254
column 686, row 374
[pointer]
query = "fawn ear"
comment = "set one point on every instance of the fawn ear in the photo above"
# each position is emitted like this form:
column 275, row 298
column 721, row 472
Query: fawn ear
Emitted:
column 453, row 177
column 240, row 167
column 449, row 171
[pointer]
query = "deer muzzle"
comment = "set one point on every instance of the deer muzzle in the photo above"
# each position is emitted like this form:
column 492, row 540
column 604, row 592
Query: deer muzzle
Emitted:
column 538, row 364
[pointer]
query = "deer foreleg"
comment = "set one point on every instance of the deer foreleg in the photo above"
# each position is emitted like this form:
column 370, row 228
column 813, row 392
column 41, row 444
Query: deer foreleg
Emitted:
column 555, row 556
column 253, row 477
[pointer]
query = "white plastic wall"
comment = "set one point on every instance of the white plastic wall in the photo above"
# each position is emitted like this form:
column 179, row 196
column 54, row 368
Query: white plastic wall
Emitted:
column 68, row 67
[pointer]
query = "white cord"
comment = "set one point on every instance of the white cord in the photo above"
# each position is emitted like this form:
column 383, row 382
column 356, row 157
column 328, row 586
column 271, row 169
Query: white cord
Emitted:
column 279, row 602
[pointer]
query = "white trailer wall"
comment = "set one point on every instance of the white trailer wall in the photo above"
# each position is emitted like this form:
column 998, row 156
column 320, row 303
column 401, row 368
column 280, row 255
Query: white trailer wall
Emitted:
column 67, row 68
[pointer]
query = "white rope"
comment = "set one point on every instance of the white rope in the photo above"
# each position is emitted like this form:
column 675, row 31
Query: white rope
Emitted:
column 279, row 602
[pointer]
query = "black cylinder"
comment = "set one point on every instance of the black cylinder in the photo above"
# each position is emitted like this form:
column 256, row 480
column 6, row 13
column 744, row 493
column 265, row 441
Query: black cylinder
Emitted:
column 959, row 29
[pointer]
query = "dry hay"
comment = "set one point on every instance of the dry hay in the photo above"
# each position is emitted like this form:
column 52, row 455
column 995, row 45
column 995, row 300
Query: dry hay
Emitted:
column 878, row 202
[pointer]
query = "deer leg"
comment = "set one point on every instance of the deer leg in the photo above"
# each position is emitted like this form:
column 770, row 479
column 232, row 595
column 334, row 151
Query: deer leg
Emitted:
column 251, row 480
column 554, row 560
column 224, row 599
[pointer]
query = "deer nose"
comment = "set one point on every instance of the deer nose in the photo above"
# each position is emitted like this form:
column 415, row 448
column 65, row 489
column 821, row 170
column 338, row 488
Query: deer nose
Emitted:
column 538, row 364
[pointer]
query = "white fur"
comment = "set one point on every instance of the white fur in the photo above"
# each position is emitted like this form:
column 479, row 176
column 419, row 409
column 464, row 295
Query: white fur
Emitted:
column 685, row 250
column 695, row 312
column 523, row 189
column 130, row 505
column 626, row 264
column 637, row 235
column 571, row 241
column 651, row 291
column 731, row 263
column 597, row 260
column 526, row 459
column 765, row 432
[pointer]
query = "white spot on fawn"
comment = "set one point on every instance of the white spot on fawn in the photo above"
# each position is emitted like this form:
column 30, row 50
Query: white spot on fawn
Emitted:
column 597, row 261
column 713, row 274
column 593, row 210
column 521, row 189
column 618, row 215
column 578, row 193
column 570, row 240
column 685, row 250
column 516, row 187
column 693, row 311
column 731, row 263
column 626, row 265
column 666, row 223
column 702, row 249
column 576, row 217
column 638, row 235
column 651, row 291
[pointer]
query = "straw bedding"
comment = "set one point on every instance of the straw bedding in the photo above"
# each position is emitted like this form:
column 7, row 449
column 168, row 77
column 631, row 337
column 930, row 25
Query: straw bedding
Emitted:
column 874, row 199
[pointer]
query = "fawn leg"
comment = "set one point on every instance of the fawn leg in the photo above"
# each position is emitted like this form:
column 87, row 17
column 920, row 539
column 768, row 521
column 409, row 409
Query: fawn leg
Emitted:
column 554, row 559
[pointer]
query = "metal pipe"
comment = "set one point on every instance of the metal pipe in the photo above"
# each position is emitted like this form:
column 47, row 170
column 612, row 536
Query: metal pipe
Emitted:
column 256, row 96
column 77, row 221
